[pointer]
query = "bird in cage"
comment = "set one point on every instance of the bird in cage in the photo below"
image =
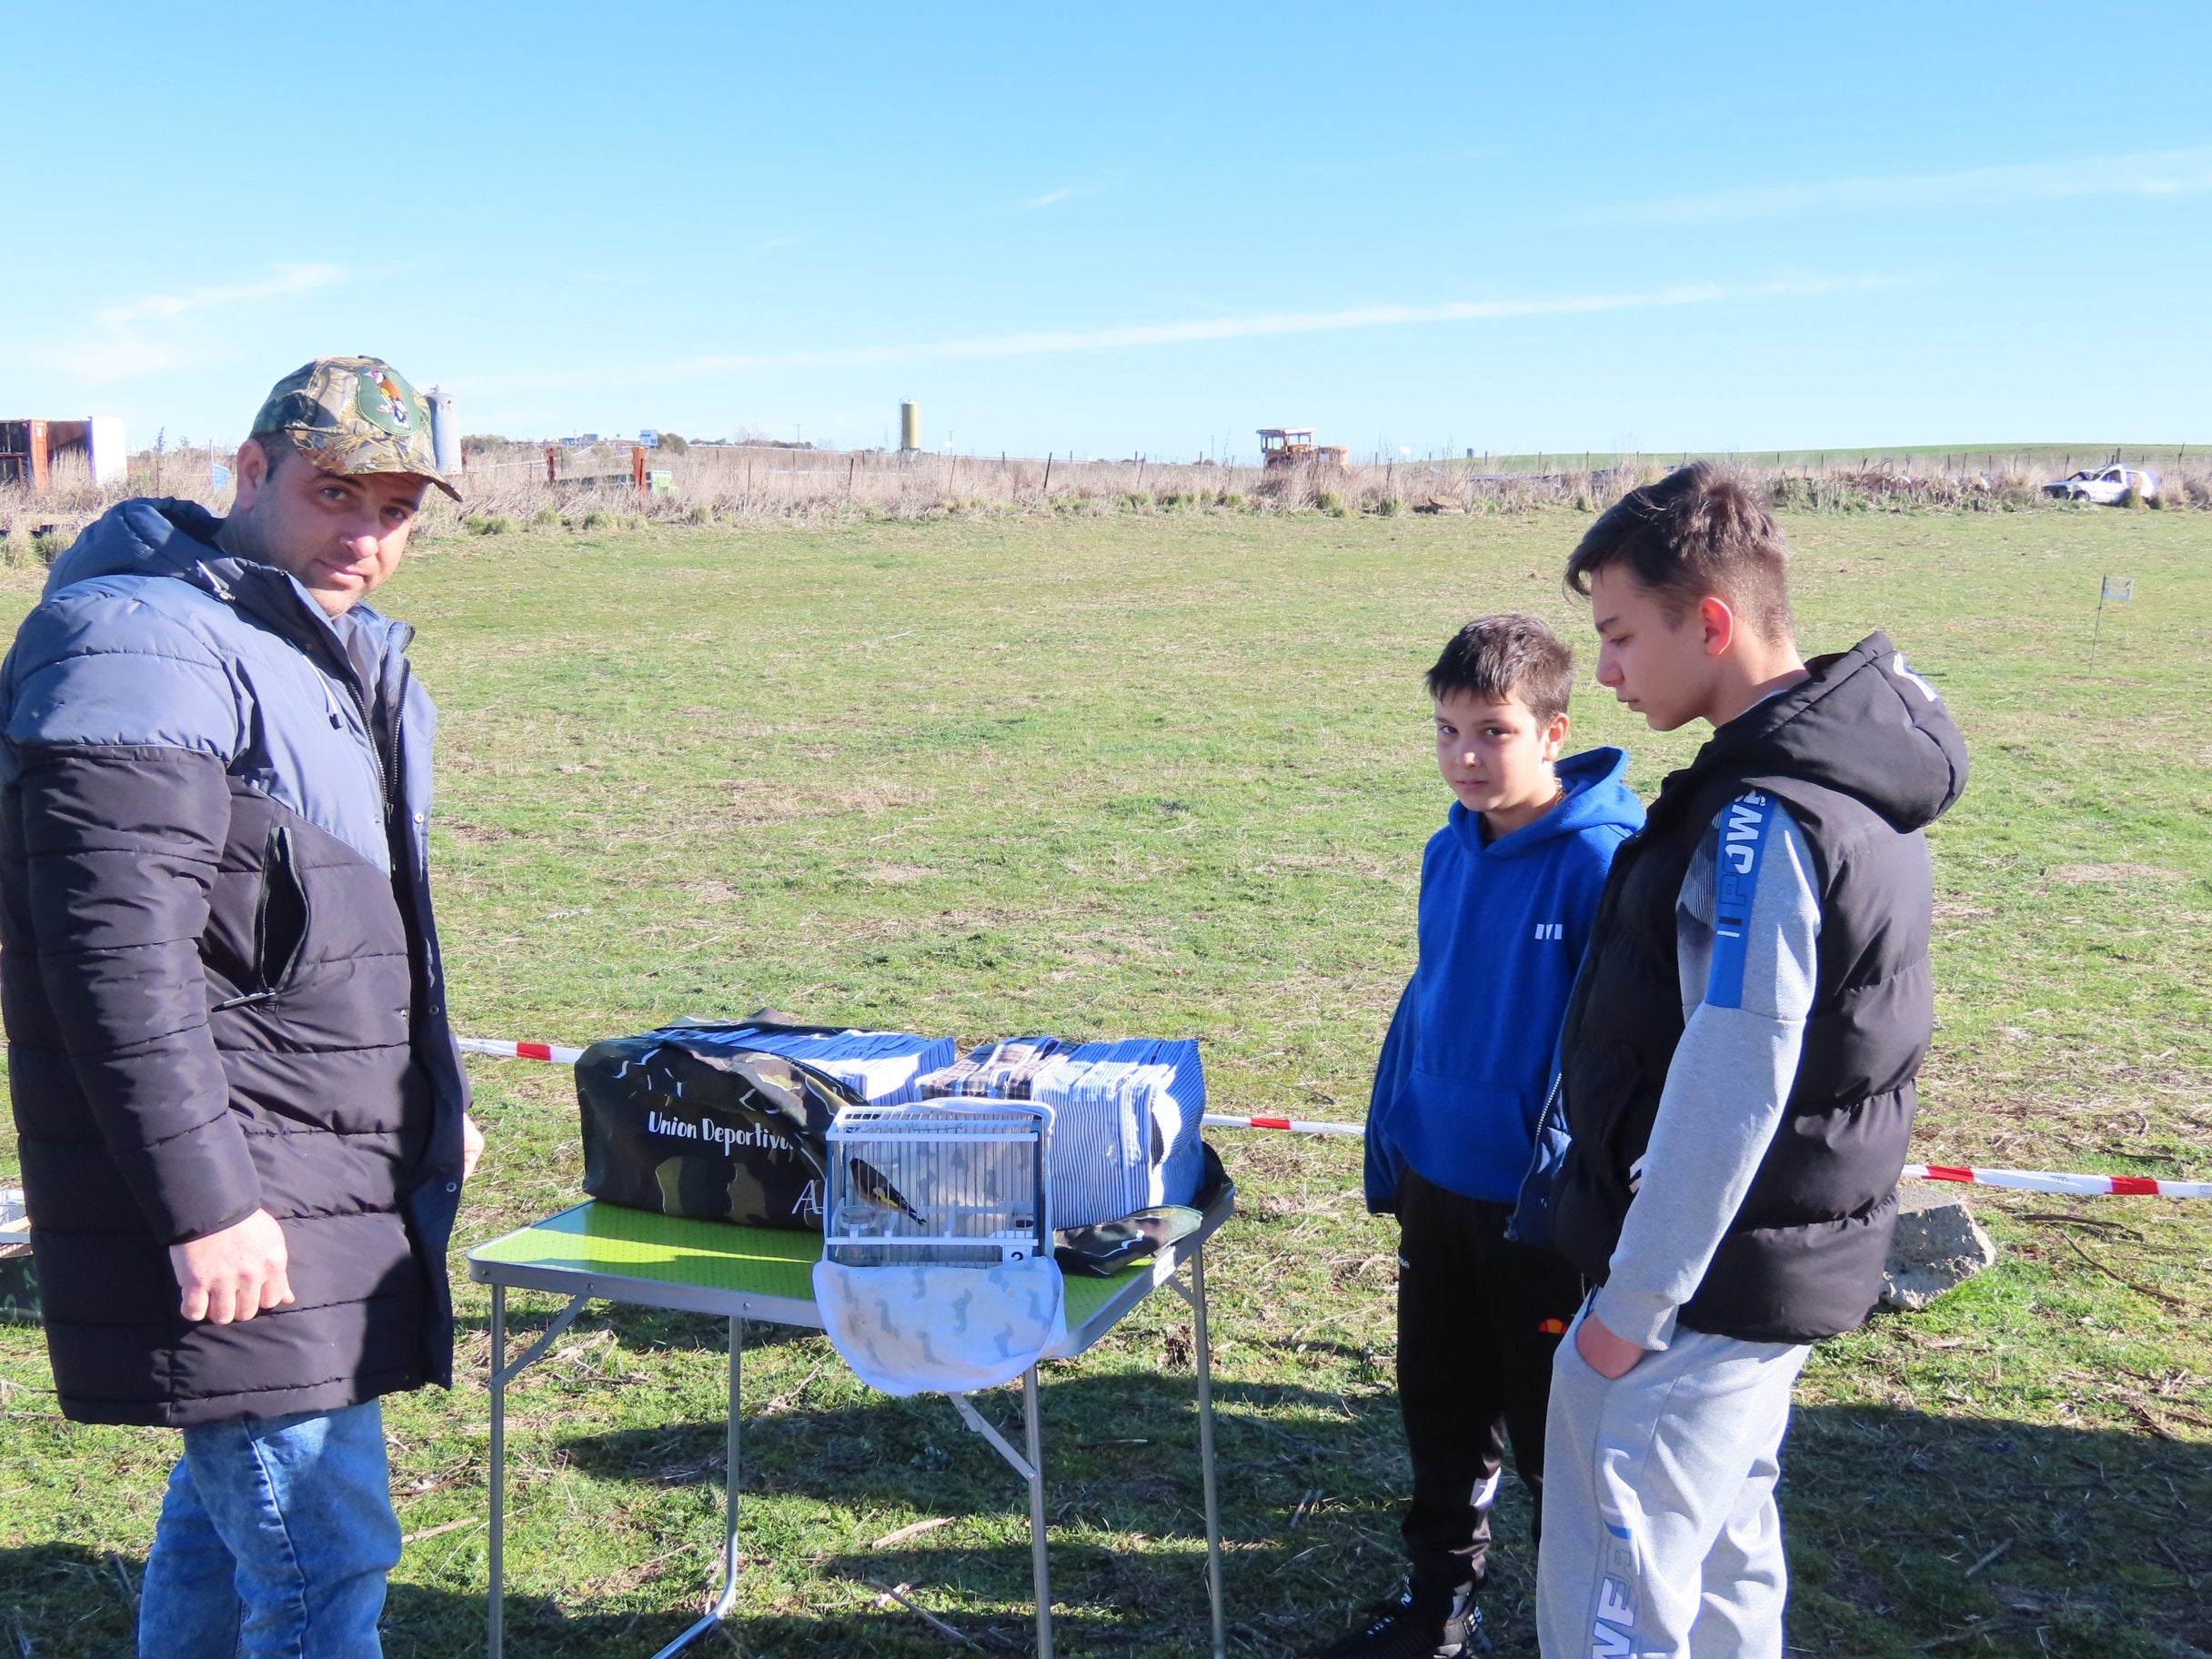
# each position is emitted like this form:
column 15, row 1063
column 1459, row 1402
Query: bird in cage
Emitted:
column 876, row 1187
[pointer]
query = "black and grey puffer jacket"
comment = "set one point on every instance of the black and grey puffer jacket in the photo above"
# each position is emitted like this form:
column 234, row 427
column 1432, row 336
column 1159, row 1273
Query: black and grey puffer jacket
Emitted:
column 220, row 977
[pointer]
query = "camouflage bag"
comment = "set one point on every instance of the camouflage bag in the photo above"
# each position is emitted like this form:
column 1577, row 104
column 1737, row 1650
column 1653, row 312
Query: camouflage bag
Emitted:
column 707, row 1131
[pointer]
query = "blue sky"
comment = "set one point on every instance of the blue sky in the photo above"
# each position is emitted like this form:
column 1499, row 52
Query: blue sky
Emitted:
column 1129, row 229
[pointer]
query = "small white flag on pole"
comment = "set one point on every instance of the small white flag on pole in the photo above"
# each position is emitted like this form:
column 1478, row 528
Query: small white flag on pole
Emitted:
column 2115, row 587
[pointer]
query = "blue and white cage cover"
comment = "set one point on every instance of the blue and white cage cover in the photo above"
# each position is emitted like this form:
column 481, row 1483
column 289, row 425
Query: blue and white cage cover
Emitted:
column 881, row 1067
column 1125, row 1117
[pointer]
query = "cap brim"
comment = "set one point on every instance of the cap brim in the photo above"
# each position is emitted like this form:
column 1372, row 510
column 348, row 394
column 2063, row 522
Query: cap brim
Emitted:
column 367, row 464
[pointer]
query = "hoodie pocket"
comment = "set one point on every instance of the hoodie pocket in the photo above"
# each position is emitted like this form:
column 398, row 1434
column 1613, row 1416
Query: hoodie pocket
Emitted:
column 280, row 922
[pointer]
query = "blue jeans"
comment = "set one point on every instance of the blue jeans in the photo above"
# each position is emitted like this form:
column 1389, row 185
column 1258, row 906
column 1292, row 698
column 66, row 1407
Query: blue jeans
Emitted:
column 274, row 1542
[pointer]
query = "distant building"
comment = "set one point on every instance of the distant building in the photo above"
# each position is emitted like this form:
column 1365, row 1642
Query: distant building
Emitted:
column 30, row 449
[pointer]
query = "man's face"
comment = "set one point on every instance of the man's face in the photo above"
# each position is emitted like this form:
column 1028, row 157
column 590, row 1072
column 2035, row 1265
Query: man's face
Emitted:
column 1661, row 666
column 1496, row 755
column 341, row 536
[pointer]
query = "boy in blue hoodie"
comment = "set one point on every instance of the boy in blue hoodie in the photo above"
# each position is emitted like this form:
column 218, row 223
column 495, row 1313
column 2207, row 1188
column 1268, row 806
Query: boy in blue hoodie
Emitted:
column 1508, row 889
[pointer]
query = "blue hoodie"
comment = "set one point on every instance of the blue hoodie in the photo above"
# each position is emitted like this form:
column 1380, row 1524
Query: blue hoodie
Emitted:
column 1462, row 1074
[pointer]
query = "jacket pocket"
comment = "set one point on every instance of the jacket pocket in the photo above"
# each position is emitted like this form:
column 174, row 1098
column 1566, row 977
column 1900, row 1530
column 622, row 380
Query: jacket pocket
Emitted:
column 280, row 922
column 1531, row 1222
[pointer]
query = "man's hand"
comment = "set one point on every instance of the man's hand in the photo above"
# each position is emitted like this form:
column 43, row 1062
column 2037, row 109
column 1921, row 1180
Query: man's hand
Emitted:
column 472, row 1145
column 1609, row 1355
column 233, row 1273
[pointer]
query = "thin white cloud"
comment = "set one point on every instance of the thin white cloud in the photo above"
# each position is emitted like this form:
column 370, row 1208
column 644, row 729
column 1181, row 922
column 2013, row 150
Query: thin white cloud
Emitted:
column 2159, row 173
column 100, row 360
column 1065, row 193
column 1043, row 341
column 288, row 279
column 159, row 333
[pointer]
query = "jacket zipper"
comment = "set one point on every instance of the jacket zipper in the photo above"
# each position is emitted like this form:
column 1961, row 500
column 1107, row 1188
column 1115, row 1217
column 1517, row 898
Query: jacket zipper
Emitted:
column 386, row 764
column 375, row 755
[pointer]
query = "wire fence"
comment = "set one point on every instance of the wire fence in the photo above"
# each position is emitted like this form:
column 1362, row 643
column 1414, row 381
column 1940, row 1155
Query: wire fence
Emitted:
column 514, row 486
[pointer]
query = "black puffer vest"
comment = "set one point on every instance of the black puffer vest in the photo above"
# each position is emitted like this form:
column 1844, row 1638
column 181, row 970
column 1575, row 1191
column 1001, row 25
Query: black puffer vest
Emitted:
column 1864, row 755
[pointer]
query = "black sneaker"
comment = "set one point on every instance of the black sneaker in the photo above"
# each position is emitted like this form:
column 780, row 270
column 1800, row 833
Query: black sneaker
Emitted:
column 1410, row 1627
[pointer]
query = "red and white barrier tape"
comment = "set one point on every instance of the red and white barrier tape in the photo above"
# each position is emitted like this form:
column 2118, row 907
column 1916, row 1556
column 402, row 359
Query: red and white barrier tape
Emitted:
column 1302, row 1126
column 2018, row 1181
column 519, row 1051
column 2043, row 1180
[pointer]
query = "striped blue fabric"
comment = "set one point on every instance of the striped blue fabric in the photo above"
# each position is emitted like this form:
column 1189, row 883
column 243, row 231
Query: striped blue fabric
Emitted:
column 1125, row 1115
column 1125, row 1128
column 881, row 1067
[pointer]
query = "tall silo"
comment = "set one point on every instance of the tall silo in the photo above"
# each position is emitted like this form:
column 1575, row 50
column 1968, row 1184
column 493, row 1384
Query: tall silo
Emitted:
column 445, row 430
column 909, row 427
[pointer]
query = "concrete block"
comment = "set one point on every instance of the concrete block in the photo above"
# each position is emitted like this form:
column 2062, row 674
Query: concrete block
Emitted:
column 1938, row 1247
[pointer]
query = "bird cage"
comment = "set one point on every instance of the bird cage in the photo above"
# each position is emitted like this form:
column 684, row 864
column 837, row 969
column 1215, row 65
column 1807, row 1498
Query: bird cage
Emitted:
column 946, row 1181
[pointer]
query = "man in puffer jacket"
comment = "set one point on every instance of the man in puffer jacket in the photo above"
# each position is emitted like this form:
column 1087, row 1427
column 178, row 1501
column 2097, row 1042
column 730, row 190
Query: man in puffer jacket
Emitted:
column 241, row 1115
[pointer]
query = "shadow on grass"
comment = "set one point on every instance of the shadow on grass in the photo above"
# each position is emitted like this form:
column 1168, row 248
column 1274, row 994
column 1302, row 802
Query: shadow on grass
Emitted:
column 637, row 1327
column 1909, row 1532
column 65, row 1602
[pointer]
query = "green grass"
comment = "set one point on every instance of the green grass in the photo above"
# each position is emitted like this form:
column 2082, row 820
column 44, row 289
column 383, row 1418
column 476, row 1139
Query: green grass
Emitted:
column 1171, row 776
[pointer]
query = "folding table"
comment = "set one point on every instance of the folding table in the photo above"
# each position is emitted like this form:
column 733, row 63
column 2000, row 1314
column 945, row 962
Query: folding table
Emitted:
column 598, row 1252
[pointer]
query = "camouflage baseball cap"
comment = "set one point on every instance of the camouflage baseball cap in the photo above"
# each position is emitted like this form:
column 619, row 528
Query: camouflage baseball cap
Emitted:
column 353, row 415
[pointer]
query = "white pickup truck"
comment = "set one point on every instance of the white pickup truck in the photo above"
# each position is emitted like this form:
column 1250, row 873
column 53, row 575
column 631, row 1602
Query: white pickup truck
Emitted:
column 2105, row 486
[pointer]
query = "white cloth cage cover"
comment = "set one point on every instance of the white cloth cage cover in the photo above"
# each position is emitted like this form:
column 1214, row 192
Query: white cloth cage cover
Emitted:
column 937, row 1270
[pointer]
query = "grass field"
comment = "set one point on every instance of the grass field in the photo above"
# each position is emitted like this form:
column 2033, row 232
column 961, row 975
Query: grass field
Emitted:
column 1170, row 775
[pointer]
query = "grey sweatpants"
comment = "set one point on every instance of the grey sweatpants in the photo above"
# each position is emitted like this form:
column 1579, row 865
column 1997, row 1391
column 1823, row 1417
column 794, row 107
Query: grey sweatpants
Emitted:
column 1660, row 1530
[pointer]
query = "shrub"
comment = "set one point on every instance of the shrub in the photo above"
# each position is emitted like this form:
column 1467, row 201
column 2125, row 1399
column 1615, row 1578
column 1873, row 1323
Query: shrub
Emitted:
column 1332, row 503
column 595, row 521
column 1390, row 507
column 1232, row 499
column 546, row 517
column 489, row 524
column 1136, row 501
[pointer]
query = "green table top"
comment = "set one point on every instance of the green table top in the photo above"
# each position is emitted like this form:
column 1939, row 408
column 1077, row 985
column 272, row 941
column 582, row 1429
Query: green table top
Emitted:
column 665, row 1248
column 759, row 1273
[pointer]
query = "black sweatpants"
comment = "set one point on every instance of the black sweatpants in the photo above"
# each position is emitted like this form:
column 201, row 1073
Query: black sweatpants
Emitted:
column 1478, row 1320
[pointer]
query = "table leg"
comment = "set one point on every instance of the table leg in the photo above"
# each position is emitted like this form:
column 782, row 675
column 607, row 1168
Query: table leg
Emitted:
column 728, row 1600
column 1204, row 1346
column 495, row 1634
column 1041, row 1569
column 501, row 1373
column 729, row 1476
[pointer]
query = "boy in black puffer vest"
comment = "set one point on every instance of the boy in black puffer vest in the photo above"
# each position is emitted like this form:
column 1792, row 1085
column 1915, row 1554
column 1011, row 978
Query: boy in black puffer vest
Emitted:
column 1738, row 1071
